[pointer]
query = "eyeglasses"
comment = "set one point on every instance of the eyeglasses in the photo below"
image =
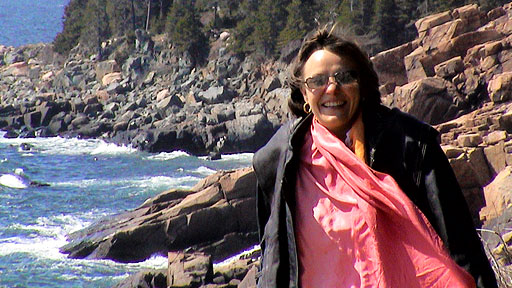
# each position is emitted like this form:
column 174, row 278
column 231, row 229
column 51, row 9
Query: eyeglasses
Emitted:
column 322, row 80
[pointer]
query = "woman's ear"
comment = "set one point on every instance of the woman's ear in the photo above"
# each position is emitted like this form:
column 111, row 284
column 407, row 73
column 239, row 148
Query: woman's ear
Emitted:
column 303, row 92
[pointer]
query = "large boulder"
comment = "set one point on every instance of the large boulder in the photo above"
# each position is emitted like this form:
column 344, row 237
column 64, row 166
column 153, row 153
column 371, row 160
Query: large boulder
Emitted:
column 110, row 78
column 430, row 99
column 426, row 23
column 195, row 269
column 175, row 220
column 17, row 69
column 449, row 68
column 414, row 66
column 276, row 105
column 500, row 87
column 13, row 56
column 247, row 133
column 395, row 73
column 145, row 279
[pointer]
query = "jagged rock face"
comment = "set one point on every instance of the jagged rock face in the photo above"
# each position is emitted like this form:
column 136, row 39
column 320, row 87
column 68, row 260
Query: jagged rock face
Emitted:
column 175, row 220
column 478, row 146
column 466, row 48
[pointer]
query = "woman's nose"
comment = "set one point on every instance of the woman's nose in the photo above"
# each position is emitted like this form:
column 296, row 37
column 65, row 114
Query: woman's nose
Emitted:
column 332, row 85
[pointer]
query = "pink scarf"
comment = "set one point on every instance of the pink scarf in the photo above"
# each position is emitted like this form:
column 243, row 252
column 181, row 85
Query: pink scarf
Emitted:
column 356, row 228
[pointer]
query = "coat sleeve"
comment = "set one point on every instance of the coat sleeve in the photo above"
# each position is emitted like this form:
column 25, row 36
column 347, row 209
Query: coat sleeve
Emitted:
column 452, row 218
column 264, row 165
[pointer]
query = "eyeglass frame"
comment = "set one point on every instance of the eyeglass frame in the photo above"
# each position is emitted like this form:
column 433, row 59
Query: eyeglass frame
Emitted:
column 354, row 77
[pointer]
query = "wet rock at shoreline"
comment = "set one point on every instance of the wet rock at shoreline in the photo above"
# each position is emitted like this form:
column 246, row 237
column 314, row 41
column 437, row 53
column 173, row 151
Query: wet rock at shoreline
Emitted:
column 176, row 220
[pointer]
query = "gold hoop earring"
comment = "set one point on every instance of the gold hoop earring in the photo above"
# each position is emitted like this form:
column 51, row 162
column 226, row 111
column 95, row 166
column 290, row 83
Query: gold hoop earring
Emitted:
column 306, row 107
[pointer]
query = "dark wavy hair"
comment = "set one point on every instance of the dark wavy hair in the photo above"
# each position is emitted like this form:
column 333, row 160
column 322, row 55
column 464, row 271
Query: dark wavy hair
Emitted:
column 329, row 39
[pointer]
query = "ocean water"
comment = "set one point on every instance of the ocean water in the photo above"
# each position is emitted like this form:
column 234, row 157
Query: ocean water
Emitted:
column 30, row 21
column 89, row 179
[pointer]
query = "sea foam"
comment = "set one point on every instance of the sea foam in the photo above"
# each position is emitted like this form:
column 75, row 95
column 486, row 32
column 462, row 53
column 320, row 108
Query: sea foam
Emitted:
column 65, row 146
column 168, row 155
column 154, row 182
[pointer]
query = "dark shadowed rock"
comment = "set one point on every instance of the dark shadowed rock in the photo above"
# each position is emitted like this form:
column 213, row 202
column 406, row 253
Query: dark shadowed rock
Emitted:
column 247, row 133
column 7, row 110
column 32, row 119
column 48, row 111
column 80, row 120
column 449, row 68
column 92, row 110
column 57, row 125
column 145, row 279
column 432, row 100
column 94, row 129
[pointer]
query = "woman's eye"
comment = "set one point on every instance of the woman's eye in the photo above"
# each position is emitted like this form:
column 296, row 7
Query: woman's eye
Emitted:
column 345, row 77
column 318, row 80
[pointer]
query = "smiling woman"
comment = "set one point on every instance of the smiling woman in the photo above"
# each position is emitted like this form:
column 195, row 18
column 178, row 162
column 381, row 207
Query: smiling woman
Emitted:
column 30, row 21
column 354, row 194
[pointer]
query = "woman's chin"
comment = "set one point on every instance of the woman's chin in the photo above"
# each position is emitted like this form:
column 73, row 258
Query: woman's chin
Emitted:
column 335, row 124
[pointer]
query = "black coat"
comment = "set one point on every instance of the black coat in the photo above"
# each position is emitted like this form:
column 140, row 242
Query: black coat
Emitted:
column 396, row 144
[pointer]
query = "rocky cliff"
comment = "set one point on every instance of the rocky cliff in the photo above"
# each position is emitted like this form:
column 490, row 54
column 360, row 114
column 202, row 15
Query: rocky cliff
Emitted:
column 142, row 95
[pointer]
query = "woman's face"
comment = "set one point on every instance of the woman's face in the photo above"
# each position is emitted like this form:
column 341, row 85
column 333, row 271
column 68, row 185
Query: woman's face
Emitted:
column 336, row 104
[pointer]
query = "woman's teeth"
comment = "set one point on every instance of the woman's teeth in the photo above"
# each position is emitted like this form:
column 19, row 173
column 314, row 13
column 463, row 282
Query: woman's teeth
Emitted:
column 333, row 104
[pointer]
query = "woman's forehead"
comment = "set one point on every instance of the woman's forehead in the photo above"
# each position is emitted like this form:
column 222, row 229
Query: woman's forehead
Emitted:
column 322, row 61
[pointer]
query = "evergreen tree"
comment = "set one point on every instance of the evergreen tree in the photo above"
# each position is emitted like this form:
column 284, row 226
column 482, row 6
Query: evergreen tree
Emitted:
column 243, row 40
column 160, row 9
column 73, row 22
column 124, row 17
column 97, row 29
column 386, row 23
column 328, row 11
column 441, row 6
column 299, row 21
column 270, row 17
column 368, row 8
column 408, row 14
column 228, row 7
column 184, row 29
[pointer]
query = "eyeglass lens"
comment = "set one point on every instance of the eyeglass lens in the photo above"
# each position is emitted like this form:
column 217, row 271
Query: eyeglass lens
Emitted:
column 341, row 78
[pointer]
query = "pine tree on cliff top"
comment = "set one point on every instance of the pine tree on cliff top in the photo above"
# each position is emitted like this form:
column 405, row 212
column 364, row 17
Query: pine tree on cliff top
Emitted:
column 125, row 18
column 184, row 30
column 300, row 21
column 386, row 23
column 73, row 22
column 271, row 17
column 97, row 29
column 243, row 41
